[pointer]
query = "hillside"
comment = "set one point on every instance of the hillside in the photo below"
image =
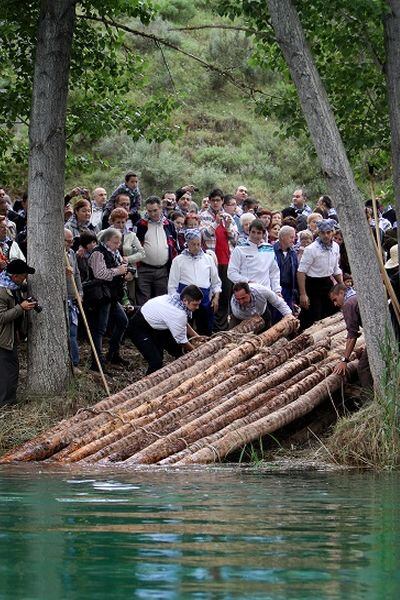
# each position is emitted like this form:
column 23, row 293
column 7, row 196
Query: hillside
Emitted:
column 220, row 139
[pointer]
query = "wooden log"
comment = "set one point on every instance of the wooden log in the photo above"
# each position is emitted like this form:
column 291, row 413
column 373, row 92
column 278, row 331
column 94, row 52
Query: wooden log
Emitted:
column 212, row 421
column 216, row 421
column 56, row 438
column 238, row 437
column 215, row 373
column 323, row 345
column 284, row 374
column 104, row 423
column 120, row 441
column 327, row 322
column 201, row 401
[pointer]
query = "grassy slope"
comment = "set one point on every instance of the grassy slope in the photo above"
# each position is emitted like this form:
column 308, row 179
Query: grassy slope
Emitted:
column 222, row 141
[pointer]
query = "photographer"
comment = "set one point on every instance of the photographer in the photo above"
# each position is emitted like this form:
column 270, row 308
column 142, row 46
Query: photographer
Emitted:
column 12, row 308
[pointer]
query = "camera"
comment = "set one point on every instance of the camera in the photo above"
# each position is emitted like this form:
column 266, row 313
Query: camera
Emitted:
column 131, row 270
column 36, row 308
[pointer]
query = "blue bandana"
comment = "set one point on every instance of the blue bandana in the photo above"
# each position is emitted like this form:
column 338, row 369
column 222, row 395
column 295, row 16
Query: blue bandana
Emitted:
column 7, row 282
column 327, row 247
column 192, row 234
column 175, row 299
column 327, row 225
column 186, row 252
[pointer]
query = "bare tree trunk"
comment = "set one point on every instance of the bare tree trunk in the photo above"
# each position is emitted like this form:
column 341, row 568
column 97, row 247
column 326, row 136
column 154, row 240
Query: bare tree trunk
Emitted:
column 48, row 357
column 391, row 24
column 332, row 155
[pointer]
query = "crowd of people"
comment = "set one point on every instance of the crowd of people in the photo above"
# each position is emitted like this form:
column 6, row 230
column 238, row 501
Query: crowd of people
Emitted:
column 164, row 270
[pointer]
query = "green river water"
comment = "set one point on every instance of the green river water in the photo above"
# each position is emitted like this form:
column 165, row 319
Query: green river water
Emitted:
column 199, row 533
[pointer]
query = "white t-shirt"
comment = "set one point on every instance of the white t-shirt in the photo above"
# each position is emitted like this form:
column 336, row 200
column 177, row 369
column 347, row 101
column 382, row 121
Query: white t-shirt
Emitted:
column 160, row 314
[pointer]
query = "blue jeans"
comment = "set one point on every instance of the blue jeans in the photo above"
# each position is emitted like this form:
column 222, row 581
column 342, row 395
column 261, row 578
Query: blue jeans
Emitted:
column 114, row 314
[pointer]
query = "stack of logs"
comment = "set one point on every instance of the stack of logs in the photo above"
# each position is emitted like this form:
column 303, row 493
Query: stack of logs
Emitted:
column 233, row 389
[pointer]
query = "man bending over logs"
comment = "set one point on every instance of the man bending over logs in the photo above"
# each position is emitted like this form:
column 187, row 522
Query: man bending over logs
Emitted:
column 346, row 299
column 250, row 299
column 162, row 324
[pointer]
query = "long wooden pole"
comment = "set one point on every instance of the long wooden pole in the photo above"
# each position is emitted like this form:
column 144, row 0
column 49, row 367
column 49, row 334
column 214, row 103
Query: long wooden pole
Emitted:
column 378, row 249
column 79, row 301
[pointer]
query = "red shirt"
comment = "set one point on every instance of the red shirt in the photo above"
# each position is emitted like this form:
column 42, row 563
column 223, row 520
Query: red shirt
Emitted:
column 221, row 245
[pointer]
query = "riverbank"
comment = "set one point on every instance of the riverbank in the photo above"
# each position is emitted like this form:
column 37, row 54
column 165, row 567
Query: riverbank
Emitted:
column 33, row 415
column 301, row 446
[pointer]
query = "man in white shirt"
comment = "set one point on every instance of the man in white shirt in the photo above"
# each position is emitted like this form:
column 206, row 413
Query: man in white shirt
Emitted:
column 250, row 299
column 162, row 324
column 99, row 199
column 255, row 261
column 319, row 264
column 158, row 237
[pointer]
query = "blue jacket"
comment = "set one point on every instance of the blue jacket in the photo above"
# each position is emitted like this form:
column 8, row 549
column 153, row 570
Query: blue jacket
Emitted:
column 294, row 263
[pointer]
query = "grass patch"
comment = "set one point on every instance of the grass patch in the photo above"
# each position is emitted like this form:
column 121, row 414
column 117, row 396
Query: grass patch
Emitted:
column 370, row 438
column 21, row 422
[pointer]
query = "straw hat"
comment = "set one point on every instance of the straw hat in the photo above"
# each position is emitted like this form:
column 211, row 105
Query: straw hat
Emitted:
column 394, row 258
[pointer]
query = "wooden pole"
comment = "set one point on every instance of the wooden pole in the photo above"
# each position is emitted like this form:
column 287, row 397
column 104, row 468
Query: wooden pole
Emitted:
column 378, row 248
column 374, row 207
column 79, row 301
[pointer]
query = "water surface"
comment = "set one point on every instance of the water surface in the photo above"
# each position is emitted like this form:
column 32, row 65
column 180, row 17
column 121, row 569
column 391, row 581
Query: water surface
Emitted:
column 199, row 533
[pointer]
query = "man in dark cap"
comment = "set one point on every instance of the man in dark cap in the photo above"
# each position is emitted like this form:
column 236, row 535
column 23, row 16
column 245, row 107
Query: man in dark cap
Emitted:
column 11, row 309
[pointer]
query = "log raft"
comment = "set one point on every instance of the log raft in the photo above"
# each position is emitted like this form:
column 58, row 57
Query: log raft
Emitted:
column 233, row 389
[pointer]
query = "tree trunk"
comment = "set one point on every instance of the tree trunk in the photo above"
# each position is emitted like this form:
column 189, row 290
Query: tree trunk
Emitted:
column 347, row 198
column 48, row 356
column 391, row 24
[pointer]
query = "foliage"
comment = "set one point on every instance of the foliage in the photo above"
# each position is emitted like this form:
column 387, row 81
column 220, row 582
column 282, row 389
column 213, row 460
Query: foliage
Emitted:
column 126, row 97
column 347, row 43
column 103, row 67
column 232, row 51
column 179, row 11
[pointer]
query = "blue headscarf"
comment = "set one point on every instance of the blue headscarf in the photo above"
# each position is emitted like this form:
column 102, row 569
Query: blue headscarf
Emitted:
column 192, row 234
column 7, row 282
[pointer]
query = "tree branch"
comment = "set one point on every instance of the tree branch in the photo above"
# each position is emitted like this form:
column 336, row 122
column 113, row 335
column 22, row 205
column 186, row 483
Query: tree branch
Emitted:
column 166, row 65
column 242, row 85
column 229, row 27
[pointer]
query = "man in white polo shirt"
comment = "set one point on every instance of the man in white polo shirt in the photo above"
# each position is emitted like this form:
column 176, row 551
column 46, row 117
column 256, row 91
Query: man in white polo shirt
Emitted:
column 162, row 324
column 318, row 265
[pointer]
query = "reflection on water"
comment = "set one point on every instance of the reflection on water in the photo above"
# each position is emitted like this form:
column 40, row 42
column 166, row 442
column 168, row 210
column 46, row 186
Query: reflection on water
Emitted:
column 204, row 534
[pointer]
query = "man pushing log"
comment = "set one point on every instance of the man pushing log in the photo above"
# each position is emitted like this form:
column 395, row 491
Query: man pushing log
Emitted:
column 162, row 324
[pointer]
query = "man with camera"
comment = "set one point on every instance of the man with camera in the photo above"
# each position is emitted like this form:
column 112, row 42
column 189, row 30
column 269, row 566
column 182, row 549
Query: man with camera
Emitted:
column 12, row 310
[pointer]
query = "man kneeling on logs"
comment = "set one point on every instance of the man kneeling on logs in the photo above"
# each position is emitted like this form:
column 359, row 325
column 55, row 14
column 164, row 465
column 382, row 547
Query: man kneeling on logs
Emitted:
column 162, row 324
column 346, row 299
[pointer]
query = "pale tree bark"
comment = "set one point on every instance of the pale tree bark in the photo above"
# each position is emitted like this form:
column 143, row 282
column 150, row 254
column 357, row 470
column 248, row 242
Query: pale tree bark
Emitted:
column 338, row 174
column 391, row 23
column 48, row 357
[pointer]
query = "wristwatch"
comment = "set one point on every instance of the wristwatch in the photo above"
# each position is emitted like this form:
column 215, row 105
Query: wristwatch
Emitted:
column 344, row 359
